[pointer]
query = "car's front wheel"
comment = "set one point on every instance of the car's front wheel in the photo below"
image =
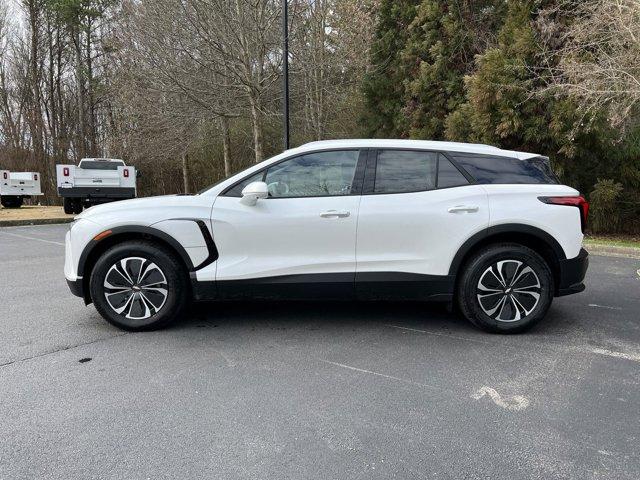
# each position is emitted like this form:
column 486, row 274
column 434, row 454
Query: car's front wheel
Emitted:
column 139, row 285
column 505, row 288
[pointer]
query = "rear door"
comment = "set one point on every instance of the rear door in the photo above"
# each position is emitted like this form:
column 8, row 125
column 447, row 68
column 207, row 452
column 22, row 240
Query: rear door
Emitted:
column 416, row 210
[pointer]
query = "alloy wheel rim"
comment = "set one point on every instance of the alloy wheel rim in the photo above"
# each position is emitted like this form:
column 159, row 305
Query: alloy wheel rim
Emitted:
column 135, row 288
column 508, row 290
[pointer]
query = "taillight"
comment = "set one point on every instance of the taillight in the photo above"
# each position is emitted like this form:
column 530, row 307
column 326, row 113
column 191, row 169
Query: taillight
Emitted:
column 579, row 202
column 126, row 173
column 65, row 171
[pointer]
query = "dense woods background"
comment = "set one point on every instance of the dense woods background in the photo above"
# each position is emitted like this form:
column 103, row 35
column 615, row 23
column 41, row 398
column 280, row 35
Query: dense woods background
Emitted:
column 189, row 91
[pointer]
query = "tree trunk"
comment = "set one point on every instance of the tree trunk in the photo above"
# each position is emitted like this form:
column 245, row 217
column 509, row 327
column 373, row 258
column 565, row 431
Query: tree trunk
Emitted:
column 185, row 172
column 91, row 111
column 256, row 120
column 226, row 145
column 82, row 127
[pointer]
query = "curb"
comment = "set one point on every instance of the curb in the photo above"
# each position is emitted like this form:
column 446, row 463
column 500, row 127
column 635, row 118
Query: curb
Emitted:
column 35, row 221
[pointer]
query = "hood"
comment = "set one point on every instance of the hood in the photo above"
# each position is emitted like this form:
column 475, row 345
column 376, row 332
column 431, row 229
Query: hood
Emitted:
column 149, row 210
column 123, row 205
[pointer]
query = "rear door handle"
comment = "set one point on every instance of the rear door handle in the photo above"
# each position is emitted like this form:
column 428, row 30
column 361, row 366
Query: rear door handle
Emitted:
column 463, row 209
column 334, row 214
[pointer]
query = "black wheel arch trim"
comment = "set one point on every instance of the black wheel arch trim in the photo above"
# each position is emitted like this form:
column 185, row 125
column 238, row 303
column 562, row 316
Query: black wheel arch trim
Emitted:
column 502, row 229
column 162, row 236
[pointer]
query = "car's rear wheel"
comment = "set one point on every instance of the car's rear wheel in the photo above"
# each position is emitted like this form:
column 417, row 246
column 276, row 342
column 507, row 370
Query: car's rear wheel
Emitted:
column 139, row 286
column 505, row 288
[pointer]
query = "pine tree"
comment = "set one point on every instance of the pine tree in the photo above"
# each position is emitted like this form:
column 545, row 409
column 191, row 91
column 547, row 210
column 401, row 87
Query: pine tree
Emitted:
column 497, row 110
column 444, row 37
column 383, row 85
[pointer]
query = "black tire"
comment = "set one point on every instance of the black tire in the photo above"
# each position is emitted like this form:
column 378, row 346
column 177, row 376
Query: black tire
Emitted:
column 11, row 202
column 77, row 206
column 161, row 312
column 480, row 290
column 67, row 205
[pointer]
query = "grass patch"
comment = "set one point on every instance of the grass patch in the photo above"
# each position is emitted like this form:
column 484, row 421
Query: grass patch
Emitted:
column 613, row 240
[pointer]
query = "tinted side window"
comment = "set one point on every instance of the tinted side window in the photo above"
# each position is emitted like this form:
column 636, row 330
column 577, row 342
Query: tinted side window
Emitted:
column 449, row 175
column 314, row 175
column 489, row 169
column 399, row 171
column 236, row 190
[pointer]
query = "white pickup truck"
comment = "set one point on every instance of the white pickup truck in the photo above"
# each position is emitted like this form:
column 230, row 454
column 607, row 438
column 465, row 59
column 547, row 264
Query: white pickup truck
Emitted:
column 94, row 181
column 16, row 186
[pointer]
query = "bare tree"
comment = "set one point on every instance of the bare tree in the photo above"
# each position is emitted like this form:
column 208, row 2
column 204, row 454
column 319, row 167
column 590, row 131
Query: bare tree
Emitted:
column 597, row 61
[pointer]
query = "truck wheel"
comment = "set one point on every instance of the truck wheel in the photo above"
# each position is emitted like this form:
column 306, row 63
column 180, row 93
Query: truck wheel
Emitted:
column 505, row 288
column 139, row 285
column 67, row 205
column 77, row 206
column 11, row 202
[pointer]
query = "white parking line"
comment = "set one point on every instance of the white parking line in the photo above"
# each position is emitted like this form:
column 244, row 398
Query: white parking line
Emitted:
column 611, row 353
column 26, row 237
column 391, row 377
column 595, row 305
column 442, row 334
column 599, row 351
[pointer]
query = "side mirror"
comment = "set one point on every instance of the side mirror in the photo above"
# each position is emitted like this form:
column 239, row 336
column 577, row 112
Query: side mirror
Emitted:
column 252, row 192
column 138, row 174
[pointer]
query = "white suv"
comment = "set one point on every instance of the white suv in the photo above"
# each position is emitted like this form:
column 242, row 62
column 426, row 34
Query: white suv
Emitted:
column 492, row 230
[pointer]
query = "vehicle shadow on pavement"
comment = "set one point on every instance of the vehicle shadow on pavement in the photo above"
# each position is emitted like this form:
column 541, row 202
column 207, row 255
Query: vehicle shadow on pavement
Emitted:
column 318, row 314
column 335, row 314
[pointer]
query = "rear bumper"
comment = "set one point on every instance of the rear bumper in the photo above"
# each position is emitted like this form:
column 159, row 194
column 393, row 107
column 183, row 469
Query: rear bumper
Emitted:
column 97, row 192
column 572, row 273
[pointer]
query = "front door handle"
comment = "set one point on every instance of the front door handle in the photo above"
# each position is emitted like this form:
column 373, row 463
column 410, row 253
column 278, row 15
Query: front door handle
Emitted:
column 463, row 209
column 335, row 214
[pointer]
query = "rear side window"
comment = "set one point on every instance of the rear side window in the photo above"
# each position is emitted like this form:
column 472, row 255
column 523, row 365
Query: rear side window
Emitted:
column 487, row 169
column 399, row 171
column 449, row 175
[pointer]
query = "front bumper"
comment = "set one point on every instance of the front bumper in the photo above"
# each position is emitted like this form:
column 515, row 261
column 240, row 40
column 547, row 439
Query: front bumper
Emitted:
column 572, row 273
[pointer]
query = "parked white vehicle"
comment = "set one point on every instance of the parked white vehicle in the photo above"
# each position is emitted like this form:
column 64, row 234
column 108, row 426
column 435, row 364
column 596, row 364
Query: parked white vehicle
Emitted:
column 16, row 186
column 489, row 229
column 94, row 181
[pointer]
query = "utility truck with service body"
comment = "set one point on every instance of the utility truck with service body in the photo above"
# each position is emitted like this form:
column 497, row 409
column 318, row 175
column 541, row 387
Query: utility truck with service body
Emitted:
column 16, row 186
column 94, row 181
column 492, row 231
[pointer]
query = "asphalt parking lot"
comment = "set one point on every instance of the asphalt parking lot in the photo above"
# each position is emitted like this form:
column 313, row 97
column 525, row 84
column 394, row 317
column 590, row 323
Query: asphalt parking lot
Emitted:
column 309, row 390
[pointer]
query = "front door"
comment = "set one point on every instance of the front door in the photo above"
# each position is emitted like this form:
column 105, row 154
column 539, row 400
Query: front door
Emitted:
column 298, row 242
